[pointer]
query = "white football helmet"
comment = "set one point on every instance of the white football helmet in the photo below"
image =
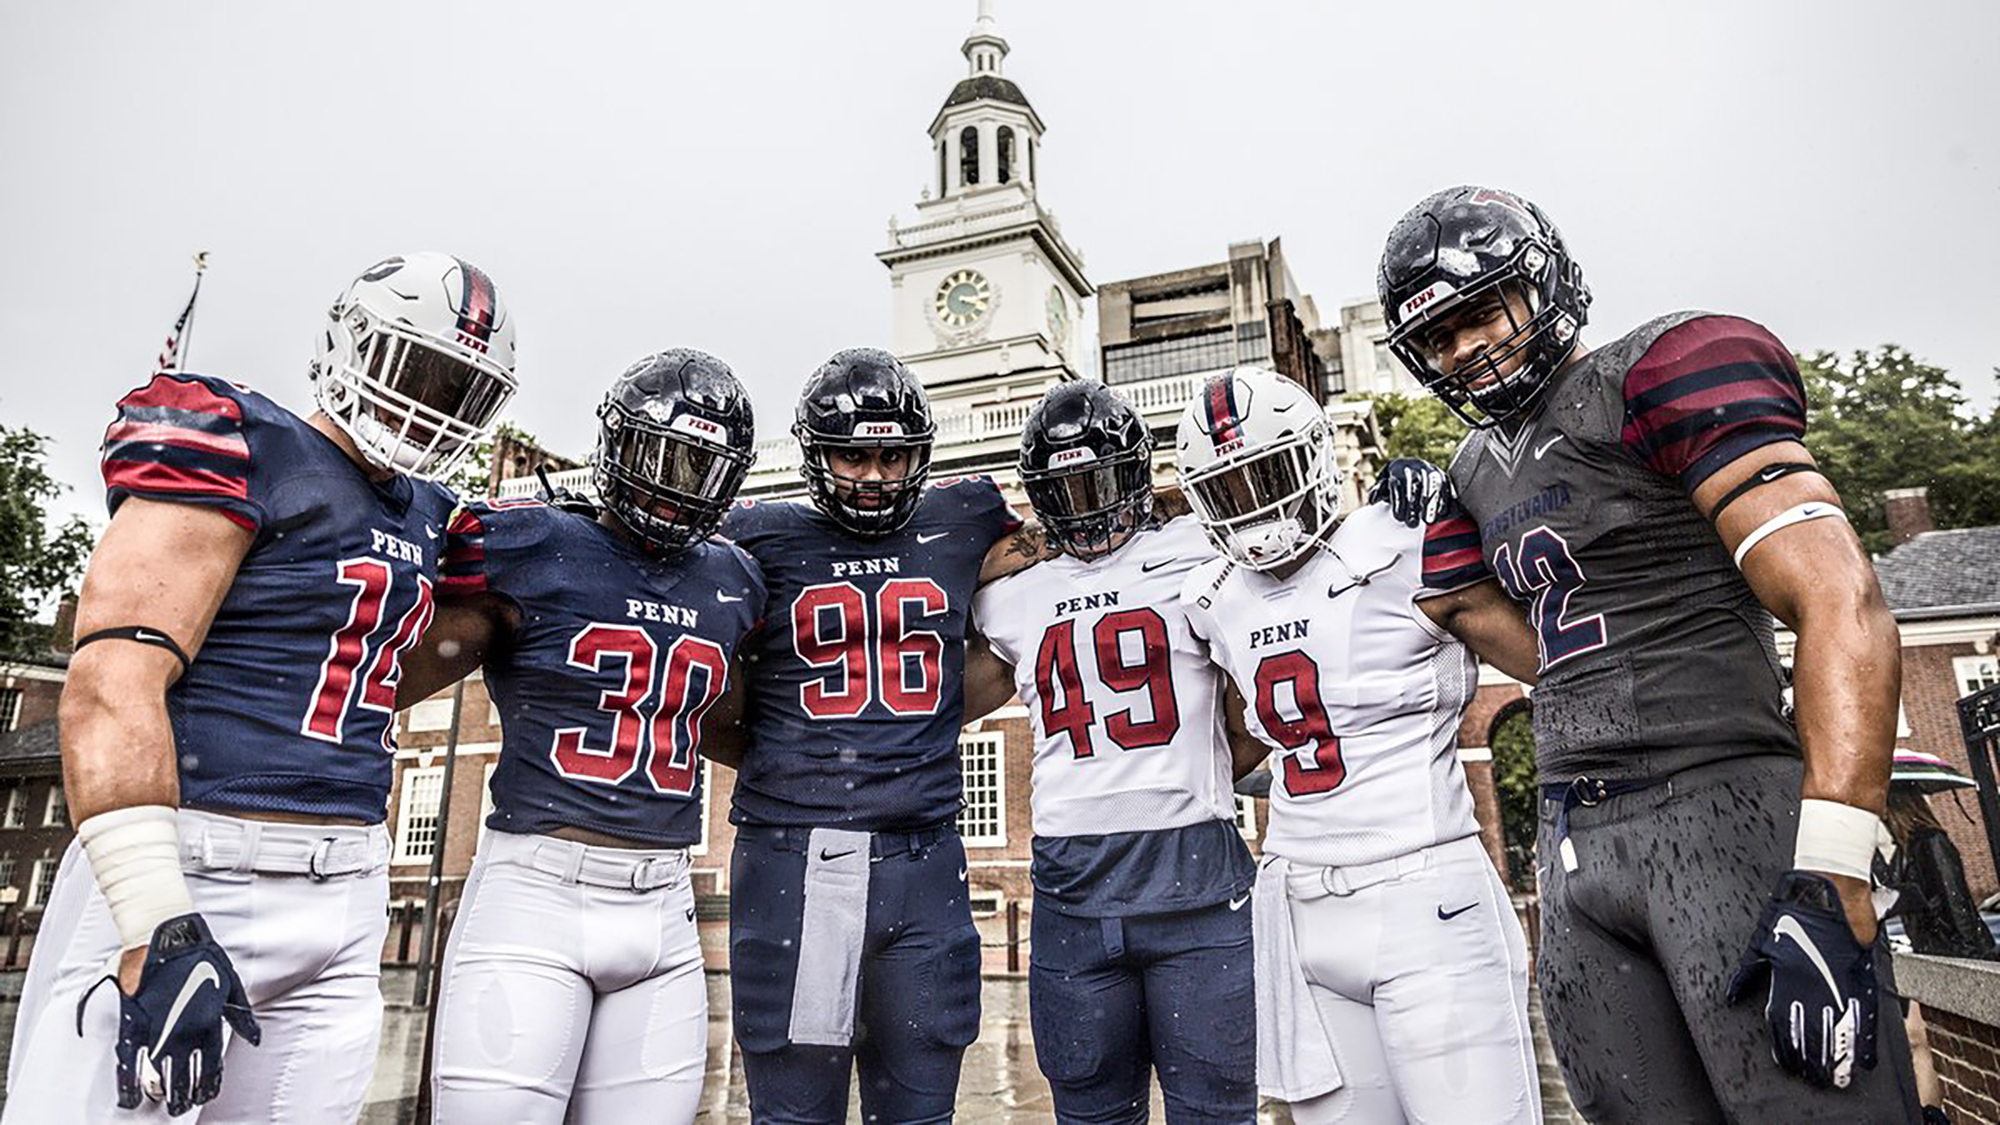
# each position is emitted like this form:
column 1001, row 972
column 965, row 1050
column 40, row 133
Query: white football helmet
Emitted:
column 1257, row 466
column 416, row 362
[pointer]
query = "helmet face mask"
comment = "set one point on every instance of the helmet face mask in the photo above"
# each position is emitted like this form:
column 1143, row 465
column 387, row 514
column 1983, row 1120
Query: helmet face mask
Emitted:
column 864, row 399
column 1468, row 247
column 1260, row 473
column 1087, row 467
column 416, row 363
column 676, row 440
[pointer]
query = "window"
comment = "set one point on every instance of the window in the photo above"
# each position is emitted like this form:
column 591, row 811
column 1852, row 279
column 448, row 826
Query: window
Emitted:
column 944, row 184
column 431, row 714
column 1158, row 359
column 968, row 155
column 1031, row 158
column 985, row 903
column 1975, row 673
column 1006, row 153
column 1246, row 816
column 417, row 817
column 16, row 815
column 43, row 882
column 707, row 792
column 983, row 822
column 7, row 871
column 10, row 708
column 56, row 814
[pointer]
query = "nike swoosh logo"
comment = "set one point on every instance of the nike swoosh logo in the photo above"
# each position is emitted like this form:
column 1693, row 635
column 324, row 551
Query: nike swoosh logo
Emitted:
column 1788, row 926
column 1153, row 566
column 1443, row 916
column 147, row 636
column 961, row 874
column 1770, row 474
column 203, row 973
column 431, row 534
column 690, row 913
column 828, row 857
column 1545, row 446
column 932, row 537
column 722, row 597
column 1237, row 903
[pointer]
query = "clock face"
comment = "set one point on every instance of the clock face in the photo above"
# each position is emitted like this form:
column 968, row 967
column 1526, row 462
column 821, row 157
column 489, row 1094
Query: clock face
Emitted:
column 1058, row 315
column 962, row 298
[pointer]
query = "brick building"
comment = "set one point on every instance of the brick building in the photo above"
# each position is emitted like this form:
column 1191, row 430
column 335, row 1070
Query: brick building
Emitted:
column 34, row 819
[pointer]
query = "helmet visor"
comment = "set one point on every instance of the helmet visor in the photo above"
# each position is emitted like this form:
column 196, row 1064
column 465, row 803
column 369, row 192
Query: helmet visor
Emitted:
column 671, row 463
column 1254, row 486
column 1089, row 490
column 440, row 384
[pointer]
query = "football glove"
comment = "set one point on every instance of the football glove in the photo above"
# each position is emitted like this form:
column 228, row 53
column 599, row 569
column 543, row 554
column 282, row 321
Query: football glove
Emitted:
column 170, row 1030
column 1415, row 490
column 1822, row 999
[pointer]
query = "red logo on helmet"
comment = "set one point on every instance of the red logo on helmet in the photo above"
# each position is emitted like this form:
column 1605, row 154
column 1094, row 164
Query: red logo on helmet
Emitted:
column 1503, row 199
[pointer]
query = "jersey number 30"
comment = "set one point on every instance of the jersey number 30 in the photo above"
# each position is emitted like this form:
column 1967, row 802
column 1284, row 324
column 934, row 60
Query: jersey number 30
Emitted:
column 665, row 723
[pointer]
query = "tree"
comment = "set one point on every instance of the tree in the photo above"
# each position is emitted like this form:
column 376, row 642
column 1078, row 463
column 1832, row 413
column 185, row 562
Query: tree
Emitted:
column 471, row 477
column 1885, row 419
column 37, row 563
column 1514, row 786
column 1417, row 426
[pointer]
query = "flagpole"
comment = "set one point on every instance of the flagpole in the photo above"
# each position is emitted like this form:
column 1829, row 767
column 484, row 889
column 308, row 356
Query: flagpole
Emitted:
column 187, row 337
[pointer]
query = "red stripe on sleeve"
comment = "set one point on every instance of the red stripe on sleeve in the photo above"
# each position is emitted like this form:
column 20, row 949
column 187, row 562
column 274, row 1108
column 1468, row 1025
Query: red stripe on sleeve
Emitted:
column 1699, row 345
column 183, row 394
column 226, row 445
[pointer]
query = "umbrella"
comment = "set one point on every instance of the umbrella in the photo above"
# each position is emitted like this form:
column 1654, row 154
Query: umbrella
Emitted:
column 1927, row 773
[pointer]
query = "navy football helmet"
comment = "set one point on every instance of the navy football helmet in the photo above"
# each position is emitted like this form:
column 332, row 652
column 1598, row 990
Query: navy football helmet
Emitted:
column 675, row 440
column 1087, row 466
column 864, row 398
column 1463, row 243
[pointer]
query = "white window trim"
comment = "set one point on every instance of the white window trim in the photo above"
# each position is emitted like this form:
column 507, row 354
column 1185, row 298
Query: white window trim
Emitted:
column 35, row 880
column 55, row 814
column 1974, row 673
column 998, row 741
column 16, row 814
column 707, row 791
column 1246, row 816
column 977, row 894
column 408, row 809
column 10, row 707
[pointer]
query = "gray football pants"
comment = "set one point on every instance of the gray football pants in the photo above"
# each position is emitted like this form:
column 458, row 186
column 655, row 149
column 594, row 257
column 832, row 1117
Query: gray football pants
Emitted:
column 1638, row 945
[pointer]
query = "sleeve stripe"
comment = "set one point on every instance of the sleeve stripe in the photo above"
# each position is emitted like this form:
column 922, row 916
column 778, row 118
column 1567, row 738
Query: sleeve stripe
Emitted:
column 1447, row 560
column 184, row 394
column 1684, row 440
column 1446, row 581
column 1699, row 390
column 1729, row 448
column 459, row 585
column 465, row 523
column 154, row 477
column 132, row 431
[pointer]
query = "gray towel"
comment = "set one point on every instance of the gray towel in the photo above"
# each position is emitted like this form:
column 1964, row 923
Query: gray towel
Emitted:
column 1294, row 1053
column 836, row 914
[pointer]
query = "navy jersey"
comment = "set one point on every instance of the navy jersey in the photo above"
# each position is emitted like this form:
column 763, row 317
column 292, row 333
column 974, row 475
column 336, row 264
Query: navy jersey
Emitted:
column 616, row 658
column 856, row 688
column 1656, row 655
column 290, row 704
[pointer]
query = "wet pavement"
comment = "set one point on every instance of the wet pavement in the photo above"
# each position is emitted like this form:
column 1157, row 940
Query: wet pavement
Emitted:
column 1000, row 1082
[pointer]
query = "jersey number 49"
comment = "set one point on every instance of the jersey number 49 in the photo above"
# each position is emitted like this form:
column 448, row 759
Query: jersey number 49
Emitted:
column 1066, row 706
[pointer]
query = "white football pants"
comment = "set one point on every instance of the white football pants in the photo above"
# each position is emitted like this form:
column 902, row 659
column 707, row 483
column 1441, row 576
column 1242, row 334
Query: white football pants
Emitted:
column 308, row 949
column 572, row 985
column 1419, row 971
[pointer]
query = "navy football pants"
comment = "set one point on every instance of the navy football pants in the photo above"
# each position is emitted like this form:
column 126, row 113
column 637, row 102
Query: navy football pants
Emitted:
column 1111, row 999
column 918, row 1003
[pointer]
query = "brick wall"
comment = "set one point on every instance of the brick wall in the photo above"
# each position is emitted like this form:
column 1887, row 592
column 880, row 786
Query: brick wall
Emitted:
column 1967, row 1055
column 1930, row 704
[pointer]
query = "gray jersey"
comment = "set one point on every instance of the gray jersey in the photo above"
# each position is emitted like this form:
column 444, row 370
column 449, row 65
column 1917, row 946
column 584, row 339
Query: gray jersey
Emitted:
column 1656, row 656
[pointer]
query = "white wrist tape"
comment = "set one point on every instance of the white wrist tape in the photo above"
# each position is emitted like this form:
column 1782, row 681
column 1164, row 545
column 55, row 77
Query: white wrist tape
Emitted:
column 1836, row 839
column 136, row 855
column 1810, row 510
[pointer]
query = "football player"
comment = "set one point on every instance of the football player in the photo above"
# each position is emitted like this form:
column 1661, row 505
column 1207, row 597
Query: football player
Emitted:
column 1392, row 974
column 228, row 722
column 572, row 983
column 850, row 932
column 1142, row 952
column 1651, row 505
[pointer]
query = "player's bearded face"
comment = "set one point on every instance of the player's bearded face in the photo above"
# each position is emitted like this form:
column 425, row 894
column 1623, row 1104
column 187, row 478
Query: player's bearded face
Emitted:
column 1475, row 334
column 856, row 466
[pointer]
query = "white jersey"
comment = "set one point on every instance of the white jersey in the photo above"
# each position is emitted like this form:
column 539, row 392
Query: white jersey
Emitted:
column 1355, row 688
column 1126, row 701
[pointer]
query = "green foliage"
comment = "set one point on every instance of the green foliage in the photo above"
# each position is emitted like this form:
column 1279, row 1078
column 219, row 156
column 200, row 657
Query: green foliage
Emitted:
column 1885, row 419
column 469, row 479
column 1417, row 426
column 1514, row 784
column 37, row 563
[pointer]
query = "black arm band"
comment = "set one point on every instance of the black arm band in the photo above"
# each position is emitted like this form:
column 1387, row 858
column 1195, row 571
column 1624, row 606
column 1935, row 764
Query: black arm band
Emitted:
column 1771, row 473
column 142, row 634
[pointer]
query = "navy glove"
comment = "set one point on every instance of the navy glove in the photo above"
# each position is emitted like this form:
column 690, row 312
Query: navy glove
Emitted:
column 1821, row 1004
column 170, row 1030
column 1415, row 490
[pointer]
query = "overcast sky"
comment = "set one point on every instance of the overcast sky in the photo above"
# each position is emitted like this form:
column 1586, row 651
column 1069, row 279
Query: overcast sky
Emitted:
column 719, row 175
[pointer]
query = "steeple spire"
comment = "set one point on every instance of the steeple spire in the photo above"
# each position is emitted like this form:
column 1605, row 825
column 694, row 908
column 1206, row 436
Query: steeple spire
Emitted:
column 984, row 50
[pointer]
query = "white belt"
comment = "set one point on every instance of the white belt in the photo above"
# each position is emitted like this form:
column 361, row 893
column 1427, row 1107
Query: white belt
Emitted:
column 1353, row 877
column 215, row 842
column 619, row 869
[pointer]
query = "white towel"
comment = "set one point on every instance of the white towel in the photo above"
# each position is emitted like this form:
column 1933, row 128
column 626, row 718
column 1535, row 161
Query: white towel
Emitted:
column 1295, row 1058
column 836, row 915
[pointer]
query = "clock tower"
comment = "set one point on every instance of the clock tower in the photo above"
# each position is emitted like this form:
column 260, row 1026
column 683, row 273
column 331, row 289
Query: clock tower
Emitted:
column 986, row 293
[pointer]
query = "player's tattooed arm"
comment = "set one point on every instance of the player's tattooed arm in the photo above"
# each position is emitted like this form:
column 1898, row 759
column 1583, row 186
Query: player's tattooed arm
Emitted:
column 1024, row 548
column 1491, row 624
column 724, row 733
column 465, row 632
column 1815, row 576
column 117, row 746
column 989, row 680
column 1246, row 753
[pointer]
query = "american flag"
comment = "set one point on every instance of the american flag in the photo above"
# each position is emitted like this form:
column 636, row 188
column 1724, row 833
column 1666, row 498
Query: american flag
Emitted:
column 174, row 349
